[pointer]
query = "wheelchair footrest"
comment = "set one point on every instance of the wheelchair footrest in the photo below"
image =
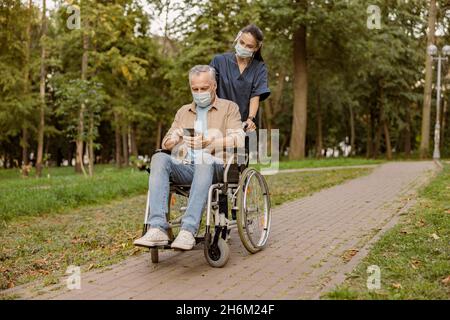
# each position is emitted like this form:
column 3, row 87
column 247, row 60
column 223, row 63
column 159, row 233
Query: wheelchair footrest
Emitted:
column 167, row 246
column 198, row 240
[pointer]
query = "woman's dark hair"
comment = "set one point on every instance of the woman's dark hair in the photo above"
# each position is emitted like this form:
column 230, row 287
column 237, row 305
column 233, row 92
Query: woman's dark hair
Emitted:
column 259, row 37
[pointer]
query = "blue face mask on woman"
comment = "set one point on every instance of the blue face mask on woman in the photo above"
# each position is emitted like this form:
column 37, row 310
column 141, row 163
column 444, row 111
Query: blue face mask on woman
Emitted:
column 243, row 52
column 202, row 99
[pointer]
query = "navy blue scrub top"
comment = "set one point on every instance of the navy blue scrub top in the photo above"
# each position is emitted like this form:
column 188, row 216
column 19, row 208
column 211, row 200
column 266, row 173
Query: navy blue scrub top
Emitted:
column 237, row 87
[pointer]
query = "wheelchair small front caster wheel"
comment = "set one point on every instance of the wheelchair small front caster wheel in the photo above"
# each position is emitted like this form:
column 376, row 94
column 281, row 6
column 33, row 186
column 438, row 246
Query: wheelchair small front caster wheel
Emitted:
column 217, row 256
column 154, row 254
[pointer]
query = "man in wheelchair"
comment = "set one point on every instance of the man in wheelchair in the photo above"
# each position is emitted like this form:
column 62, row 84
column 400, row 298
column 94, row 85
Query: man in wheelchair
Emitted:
column 199, row 134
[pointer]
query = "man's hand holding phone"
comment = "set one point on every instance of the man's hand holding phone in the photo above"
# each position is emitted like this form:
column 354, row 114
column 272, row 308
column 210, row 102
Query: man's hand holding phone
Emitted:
column 195, row 141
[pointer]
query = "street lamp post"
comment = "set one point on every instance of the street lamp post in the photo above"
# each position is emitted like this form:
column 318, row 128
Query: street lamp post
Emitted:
column 434, row 53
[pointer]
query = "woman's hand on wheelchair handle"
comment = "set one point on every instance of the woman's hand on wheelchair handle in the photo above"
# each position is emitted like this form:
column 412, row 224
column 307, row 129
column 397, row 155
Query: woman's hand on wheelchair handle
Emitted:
column 251, row 126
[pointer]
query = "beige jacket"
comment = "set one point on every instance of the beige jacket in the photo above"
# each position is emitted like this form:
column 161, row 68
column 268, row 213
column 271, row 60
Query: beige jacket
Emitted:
column 224, row 119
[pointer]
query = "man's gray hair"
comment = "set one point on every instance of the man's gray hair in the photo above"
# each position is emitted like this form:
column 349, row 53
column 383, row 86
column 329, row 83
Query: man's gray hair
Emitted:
column 202, row 68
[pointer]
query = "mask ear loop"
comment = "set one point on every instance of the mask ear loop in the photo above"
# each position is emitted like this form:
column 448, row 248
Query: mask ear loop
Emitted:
column 237, row 37
column 253, row 55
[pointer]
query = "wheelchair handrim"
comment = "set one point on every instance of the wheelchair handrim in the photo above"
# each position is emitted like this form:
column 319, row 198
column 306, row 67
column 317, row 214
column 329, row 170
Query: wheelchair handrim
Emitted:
column 251, row 244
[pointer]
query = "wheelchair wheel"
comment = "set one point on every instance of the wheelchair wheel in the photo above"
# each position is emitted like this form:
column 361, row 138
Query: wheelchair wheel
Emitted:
column 177, row 206
column 154, row 255
column 217, row 256
column 254, row 215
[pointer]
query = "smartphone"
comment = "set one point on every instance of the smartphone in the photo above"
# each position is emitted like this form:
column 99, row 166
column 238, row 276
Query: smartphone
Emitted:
column 190, row 132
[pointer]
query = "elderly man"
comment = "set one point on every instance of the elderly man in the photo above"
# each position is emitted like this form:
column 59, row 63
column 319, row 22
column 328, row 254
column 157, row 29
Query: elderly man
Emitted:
column 217, row 124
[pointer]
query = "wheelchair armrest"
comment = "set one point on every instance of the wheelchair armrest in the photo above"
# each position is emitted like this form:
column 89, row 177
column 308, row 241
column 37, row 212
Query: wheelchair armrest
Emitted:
column 233, row 166
column 230, row 161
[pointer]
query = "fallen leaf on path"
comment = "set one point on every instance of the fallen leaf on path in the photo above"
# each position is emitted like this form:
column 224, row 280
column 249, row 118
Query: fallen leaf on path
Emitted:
column 348, row 254
column 136, row 250
column 90, row 266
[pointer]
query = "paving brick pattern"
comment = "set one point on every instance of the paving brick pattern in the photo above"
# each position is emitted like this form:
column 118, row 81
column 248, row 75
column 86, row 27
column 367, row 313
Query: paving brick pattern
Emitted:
column 307, row 243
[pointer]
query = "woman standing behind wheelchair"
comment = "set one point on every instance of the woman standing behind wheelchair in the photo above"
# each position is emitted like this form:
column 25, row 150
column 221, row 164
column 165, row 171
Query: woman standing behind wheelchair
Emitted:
column 242, row 75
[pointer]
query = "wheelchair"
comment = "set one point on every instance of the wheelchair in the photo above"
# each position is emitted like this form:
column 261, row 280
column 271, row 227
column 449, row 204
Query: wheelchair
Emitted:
column 240, row 200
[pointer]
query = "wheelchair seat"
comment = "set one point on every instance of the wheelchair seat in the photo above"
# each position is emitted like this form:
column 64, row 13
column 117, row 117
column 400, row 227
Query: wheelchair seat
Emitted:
column 233, row 177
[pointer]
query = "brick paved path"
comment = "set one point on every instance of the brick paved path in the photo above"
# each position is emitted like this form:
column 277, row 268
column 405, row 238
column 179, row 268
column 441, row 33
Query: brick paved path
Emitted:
column 305, row 253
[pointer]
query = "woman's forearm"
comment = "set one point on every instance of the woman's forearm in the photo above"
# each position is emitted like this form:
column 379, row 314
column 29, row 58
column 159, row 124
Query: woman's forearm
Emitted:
column 254, row 105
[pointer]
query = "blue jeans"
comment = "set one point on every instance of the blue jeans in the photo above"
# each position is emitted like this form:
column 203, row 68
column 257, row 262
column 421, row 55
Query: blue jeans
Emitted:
column 199, row 175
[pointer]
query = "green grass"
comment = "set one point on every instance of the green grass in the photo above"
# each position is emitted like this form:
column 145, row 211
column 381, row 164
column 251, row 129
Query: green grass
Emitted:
column 42, row 247
column 325, row 162
column 414, row 256
column 60, row 189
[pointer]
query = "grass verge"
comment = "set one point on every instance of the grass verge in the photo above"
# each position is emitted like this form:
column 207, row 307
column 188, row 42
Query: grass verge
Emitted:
column 60, row 189
column 325, row 162
column 413, row 256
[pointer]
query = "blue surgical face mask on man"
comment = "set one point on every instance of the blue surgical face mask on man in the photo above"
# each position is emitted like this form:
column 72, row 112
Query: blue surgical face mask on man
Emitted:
column 243, row 52
column 202, row 99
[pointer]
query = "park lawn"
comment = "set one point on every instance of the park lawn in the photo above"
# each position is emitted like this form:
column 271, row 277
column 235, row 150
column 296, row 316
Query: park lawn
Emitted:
column 60, row 189
column 330, row 162
column 42, row 247
column 324, row 162
column 414, row 256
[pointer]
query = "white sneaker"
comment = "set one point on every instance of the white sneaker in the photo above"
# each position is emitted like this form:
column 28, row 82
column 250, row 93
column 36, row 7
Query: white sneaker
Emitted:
column 153, row 237
column 184, row 241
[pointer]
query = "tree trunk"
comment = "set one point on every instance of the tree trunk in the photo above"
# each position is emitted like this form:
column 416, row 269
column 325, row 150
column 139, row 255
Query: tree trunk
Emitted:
column 408, row 132
column 159, row 135
column 26, row 76
column 91, row 144
column 299, row 121
column 24, row 144
column 425, row 132
column 383, row 125
column 79, row 167
column 134, row 150
column 352, row 131
column 387, row 139
column 369, row 140
column 319, row 142
column 377, row 142
column 125, row 144
column 117, row 138
column 268, row 112
column 42, row 105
